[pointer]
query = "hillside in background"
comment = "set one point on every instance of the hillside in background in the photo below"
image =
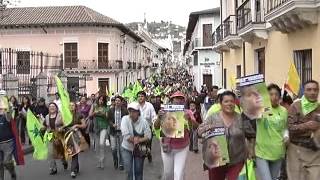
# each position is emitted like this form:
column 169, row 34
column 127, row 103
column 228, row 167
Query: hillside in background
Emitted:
column 161, row 30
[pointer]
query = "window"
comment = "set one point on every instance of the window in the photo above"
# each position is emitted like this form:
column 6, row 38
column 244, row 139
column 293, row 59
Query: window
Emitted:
column 103, row 84
column 238, row 71
column 103, row 59
column 225, row 78
column 70, row 55
column 303, row 63
column 260, row 55
column 23, row 62
column 207, row 35
column 195, row 59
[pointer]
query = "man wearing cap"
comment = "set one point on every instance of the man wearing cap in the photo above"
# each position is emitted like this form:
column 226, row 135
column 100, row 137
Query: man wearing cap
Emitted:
column 135, row 131
column 148, row 113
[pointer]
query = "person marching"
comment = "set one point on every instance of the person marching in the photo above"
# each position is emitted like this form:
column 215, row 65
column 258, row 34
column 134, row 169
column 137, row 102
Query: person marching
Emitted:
column 270, row 147
column 99, row 112
column 303, row 155
column 136, row 132
column 53, row 124
column 115, row 115
column 78, row 123
column 228, row 118
column 174, row 151
column 10, row 146
column 149, row 114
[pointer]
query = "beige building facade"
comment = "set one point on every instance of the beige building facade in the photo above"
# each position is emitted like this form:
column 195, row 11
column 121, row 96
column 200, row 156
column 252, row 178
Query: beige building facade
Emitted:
column 265, row 36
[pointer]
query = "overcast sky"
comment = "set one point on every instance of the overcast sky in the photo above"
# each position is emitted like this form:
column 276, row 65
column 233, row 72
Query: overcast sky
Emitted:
column 126, row 11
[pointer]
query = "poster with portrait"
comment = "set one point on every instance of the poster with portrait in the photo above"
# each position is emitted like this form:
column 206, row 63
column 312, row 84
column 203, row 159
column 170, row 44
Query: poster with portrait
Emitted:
column 172, row 123
column 255, row 99
column 215, row 148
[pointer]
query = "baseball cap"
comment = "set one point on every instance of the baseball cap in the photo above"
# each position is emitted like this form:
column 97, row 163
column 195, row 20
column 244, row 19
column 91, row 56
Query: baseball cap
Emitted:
column 134, row 106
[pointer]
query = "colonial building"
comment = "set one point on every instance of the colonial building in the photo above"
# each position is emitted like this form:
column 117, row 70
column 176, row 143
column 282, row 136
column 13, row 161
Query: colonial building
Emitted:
column 265, row 36
column 205, row 62
column 96, row 52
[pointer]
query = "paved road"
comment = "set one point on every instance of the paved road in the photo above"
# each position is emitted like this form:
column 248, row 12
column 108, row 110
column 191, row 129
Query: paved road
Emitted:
column 38, row 170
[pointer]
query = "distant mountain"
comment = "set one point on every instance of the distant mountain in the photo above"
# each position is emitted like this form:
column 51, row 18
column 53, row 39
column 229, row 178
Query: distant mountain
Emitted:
column 161, row 30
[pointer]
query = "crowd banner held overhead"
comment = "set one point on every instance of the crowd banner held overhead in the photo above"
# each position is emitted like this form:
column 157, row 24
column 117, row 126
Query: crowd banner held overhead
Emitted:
column 255, row 99
column 173, row 121
column 215, row 148
column 34, row 131
column 293, row 80
column 65, row 103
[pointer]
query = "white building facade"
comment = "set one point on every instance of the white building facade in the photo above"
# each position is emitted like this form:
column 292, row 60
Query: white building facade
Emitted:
column 198, row 51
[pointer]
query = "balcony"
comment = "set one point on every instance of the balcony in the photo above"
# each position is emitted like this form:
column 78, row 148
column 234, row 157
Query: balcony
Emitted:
column 250, row 21
column 85, row 66
column 291, row 15
column 230, row 36
column 219, row 45
column 198, row 43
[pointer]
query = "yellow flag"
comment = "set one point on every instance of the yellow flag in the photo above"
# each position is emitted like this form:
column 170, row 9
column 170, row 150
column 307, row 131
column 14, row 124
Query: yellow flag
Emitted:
column 293, row 81
column 233, row 82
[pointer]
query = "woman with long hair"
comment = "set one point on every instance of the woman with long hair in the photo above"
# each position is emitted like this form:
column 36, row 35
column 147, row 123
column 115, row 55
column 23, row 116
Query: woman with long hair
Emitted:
column 22, row 118
column 53, row 124
column 99, row 112
column 231, row 121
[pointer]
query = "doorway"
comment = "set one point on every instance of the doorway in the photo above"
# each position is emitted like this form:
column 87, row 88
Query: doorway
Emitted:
column 103, row 84
column 207, row 80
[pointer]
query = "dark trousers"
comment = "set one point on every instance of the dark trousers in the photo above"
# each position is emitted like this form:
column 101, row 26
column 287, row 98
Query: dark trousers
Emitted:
column 6, row 154
column 75, row 164
column 132, row 165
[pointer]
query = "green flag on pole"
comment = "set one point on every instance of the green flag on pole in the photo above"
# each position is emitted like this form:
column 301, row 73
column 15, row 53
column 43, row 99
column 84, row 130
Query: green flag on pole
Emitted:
column 65, row 103
column 40, row 146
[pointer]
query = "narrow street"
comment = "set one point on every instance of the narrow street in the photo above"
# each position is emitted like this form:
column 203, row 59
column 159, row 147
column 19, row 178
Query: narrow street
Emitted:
column 34, row 170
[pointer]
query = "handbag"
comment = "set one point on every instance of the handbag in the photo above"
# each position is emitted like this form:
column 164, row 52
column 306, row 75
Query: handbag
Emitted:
column 140, row 150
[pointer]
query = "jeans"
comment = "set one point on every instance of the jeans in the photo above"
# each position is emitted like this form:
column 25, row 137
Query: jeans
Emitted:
column 116, row 141
column 174, row 164
column 268, row 170
column 133, row 166
column 6, row 154
column 101, row 138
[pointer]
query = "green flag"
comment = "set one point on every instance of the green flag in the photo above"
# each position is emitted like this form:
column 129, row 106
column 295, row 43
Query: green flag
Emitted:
column 65, row 103
column 40, row 146
column 136, row 88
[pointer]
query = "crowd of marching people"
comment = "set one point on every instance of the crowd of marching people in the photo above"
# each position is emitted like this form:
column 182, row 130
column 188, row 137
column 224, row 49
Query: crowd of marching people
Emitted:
column 283, row 144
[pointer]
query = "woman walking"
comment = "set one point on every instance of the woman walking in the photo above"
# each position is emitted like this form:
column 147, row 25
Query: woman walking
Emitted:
column 270, row 146
column 174, row 151
column 99, row 112
column 53, row 124
column 136, row 133
column 195, row 109
column 22, row 118
column 78, row 124
column 231, row 122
